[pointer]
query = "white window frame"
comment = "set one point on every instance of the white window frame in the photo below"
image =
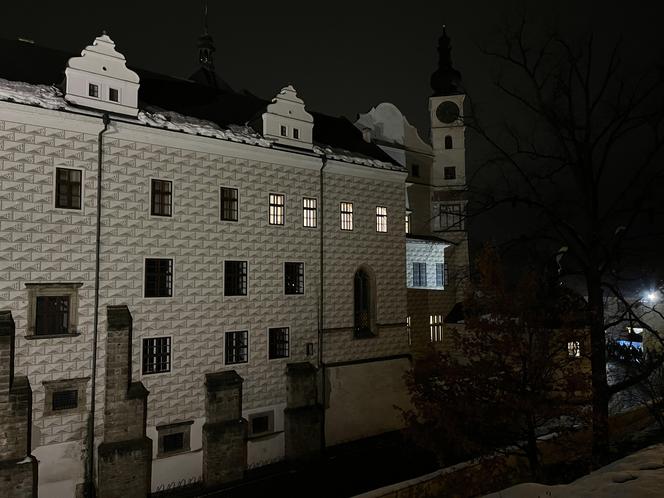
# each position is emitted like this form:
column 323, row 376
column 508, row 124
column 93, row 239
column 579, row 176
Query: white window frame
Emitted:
column 267, row 333
column 223, row 278
column 381, row 219
column 219, row 202
column 234, row 330
column 170, row 356
column 304, row 277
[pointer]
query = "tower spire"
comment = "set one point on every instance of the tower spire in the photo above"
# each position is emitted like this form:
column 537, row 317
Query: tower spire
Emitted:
column 445, row 80
column 206, row 43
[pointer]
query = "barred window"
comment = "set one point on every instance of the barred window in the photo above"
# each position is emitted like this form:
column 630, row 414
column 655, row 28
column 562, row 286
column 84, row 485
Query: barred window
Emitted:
column 235, row 278
column 93, row 90
column 346, row 209
column 309, row 212
column 407, row 223
column 113, row 95
column 68, row 188
column 277, row 209
column 228, row 202
column 237, row 347
column 278, row 342
column 574, row 349
column 52, row 315
column 419, row 274
column 294, row 278
column 449, row 172
column 451, row 217
column 381, row 219
column 156, row 355
column 158, row 277
column 162, row 197
column 173, row 438
column 65, row 400
column 436, row 328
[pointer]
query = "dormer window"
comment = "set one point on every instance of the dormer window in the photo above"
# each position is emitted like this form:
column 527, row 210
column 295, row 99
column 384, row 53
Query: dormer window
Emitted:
column 284, row 131
column 93, row 90
column 296, row 133
column 113, row 95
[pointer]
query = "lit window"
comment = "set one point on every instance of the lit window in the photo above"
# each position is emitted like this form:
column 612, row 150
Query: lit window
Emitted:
column 156, row 355
column 228, row 202
column 294, row 278
column 419, row 274
column 436, row 328
column 448, row 142
column 635, row 330
column 68, row 188
column 574, row 349
column 93, row 90
column 113, row 95
column 237, row 347
column 158, row 277
column 409, row 331
column 277, row 209
column 407, row 223
column 284, row 131
column 278, row 342
column 381, row 219
column 235, row 278
column 161, row 198
column 449, row 172
column 309, row 212
column 346, row 215
column 451, row 217
column 296, row 134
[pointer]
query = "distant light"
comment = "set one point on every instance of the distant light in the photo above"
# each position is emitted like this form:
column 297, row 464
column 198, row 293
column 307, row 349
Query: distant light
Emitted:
column 652, row 297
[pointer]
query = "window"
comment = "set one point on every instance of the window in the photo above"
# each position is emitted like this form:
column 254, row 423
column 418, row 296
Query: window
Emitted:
column 407, row 223
column 415, row 170
column 113, row 95
column 419, row 274
column 276, row 209
column 294, row 278
column 284, row 131
column 449, row 172
column 451, row 217
column 309, row 212
column 68, row 188
column 228, row 202
column 93, row 90
column 409, row 331
column 363, row 305
column 448, row 142
column 436, row 328
column 52, row 309
column 158, row 277
column 235, row 278
column 173, row 438
column 574, row 349
column 261, row 423
column 156, row 355
column 237, row 347
column 64, row 400
column 162, row 195
column 440, row 274
column 64, row 397
column 296, row 134
column 346, row 215
column 381, row 219
column 278, row 343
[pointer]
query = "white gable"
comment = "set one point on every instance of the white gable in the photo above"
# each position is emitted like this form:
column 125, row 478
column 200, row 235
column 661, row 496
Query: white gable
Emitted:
column 100, row 79
column 287, row 122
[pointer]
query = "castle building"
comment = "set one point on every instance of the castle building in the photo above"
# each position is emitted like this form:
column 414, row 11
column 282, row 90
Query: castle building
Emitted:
column 195, row 281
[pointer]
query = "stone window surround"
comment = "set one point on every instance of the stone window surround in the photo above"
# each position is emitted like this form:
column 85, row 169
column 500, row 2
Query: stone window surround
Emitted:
column 69, row 289
column 270, row 424
column 52, row 386
column 168, row 429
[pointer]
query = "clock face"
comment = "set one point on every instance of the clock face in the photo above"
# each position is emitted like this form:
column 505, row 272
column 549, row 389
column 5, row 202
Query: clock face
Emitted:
column 447, row 112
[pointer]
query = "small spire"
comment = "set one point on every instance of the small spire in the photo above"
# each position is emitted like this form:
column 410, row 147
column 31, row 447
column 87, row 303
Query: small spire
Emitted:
column 206, row 43
column 446, row 80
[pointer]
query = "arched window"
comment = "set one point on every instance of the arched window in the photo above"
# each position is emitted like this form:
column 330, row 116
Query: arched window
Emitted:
column 364, row 306
column 448, row 142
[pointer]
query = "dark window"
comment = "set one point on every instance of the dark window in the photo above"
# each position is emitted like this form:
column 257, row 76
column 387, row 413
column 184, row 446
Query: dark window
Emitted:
column 294, row 278
column 277, row 209
column 346, row 209
column 451, row 217
column 173, row 442
column 284, row 131
column 279, row 342
column 440, row 275
column 260, row 424
column 113, row 94
column 362, row 304
column 237, row 347
column 156, row 355
column 68, row 188
column 65, row 400
column 229, row 204
column 158, row 277
column 162, row 196
column 419, row 274
column 296, row 134
column 93, row 90
column 449, row 172
column 309, row 212
column 448, row 142
column 235, row 278
column 52, row 315
column 415, row 170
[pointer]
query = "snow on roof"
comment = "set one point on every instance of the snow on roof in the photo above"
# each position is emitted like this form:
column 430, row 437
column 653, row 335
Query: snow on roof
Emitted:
column 50, row 97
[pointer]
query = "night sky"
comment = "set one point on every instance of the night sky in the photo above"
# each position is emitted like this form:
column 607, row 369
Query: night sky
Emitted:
column 342, row 57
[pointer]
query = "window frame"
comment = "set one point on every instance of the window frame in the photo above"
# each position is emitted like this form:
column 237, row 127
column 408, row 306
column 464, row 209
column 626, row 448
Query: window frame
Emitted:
column 270, row 214
column 349, row 215
column 574, row 349
column 145, row 276
column 169, row 430
column 283, row 130
column 421, row 272
column 440, row 274
column 246, row 277
column 237, row 204
column 97, row 87
column 407, row 226
column 314, row 210
column 449, row 142
column 296, row 133
column 56, row 189
column 270, row 424
column 51, row 387
column 381, row 219
column 455, row 213
column 169, row 362
column 117, row 94
column 245, row 347
column 269, row 342
column 172, row 197
column 41, row 289
column 369, row 289
column 449, row 173
column 436, row 328
column 302, row 266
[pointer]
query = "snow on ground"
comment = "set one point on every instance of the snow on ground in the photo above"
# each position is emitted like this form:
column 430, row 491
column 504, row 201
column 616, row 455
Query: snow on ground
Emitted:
column 639, row 475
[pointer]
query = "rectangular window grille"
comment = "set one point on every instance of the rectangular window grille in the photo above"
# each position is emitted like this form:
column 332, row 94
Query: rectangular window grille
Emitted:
column 158, row 277
column 451, row 217
column 228, row 202
column 162, row 198
column 65, row 400
column 277, row 209
column 346, row 215
column 93, row 90
column 261, row 423
column 436, row 328
column 449, row 172
column 237, row 347
column 113, row 95
column 440, row 275
column 67, row 188
column 419, row 274
column 294, row 278
column 52, row 315
column 156, row 355
column 309, row 212
column 381, row 219
column 235, row 278
column 279, row 342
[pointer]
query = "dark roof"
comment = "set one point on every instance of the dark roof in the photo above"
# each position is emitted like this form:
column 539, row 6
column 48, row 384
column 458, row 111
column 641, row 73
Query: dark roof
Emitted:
column 429, row 238
column 221, row 106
